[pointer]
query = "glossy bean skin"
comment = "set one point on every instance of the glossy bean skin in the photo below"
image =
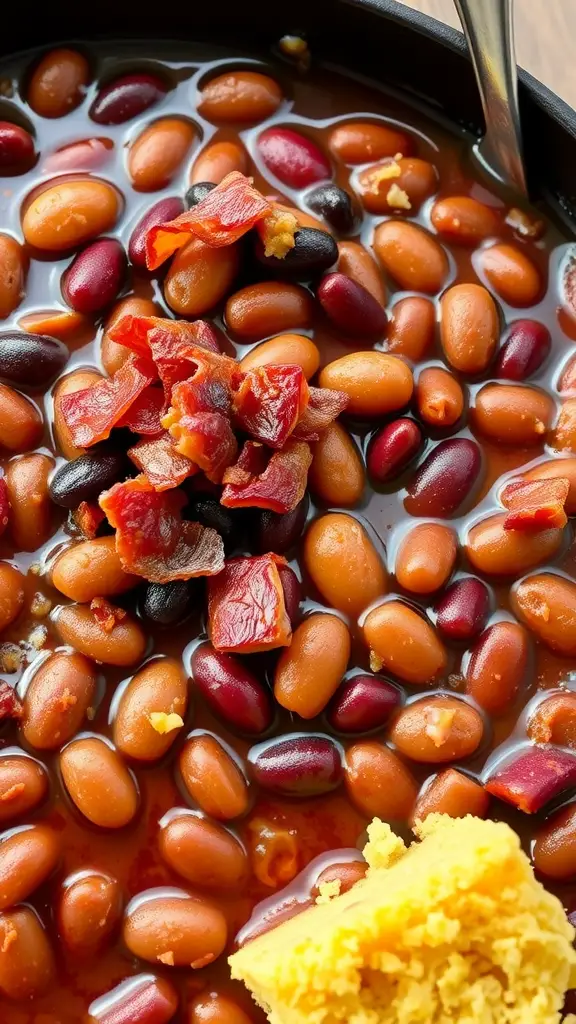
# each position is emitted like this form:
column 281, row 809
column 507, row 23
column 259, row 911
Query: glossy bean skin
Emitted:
column 146, row 999
column 377, row 781
column 527, row 346
column 416, row 178
column 126, row 97
column 439, row 398
column 180, row 931
column 242, row 96
column 98, row 782
column 445, row 480
column 11, row 594
column 554, row 852
column 27, row 482
column 351, row 308
column 160, row 686
column 75, row 381
column 547, row 604
column 30, row 360
column 511, row 274
column 89, row 569
column 362, row 703
column 464, row 220
column 333, row 204
column 85, row 155
column 16, row 148
column 512, row 414
column 66, row 215
column 280, row 531
column 112, row 353
column 214, row 1008
column 213, row 779
column 336, row 475
column 269, row 307
column 21, row 425
column 57, row 699
column 28, row 857
column 13, row 268
column 357, row 142
column 356, row 262
column 309, row 671
column 313, row 252
column 217, row 160
column 494, row 551
column 84, row 478
column 166, row 604
column 58, row 83
column 412, row 327
column 297, row 766
column 88, row 912
column 563, row 437
column 426, row 558
column 557, row 468
column 435, row 730
column 392, row 448
column 291, row 349
column 156, row 155
column 343, row 563
column 200, row 276
column 293, row 158
column 27, row 965
column 468, row 327
column 162, row 211
column 375, row 383
column 405, row 643
column 346, row 874
column 23, row 786
column 95, row 276
column 412, row 257
column 124, row 645
column 231, row 690
column 463, row 609
column 203, row 852
column 497, row 667
column 452, row 793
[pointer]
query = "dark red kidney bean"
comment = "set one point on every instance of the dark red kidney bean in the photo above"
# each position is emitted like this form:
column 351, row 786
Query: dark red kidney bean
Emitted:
column 276, row 531
column 350, row 307
column 197, row 192
column 463, row 609
column 166, row 604
column 314, row 251
column 445, row 479
column 84, row 478
column 292, row 591
column 392, row 448
column 335, row 206
column 126, row 97
column 16, row 148
column 298, row 766
column 143, row 999
column 231, row 690
column 362, row 703
column 162, row 211
column 527, row 346
column 294, row 159
column 30, row 360
column 95, row 276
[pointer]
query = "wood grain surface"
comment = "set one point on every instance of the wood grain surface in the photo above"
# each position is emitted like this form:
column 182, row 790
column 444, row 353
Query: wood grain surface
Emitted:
column 545, row 38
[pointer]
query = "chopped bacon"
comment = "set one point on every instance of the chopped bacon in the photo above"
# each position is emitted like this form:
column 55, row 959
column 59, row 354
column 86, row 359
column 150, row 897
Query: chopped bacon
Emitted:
column 199, row 421
column 143, row 416
column 533, row 777
column 107, row 615
column 269, row 402
column 91, row 414
column 246, row 608
column 554, row 720
column 88, row 518
column 4, row 505
column 221, row 218
column 152, row 540
column 10, row 706
column 134, row 332
column 158, row 459
column 278, row 484
column 535, row 504
column 324, row 406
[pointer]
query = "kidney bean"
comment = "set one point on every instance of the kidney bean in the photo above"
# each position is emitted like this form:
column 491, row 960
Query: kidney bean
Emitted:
column 70, row 213
column 525, row 349
column 336, row 475
column 58, row 83
column 343, row 563
column 16, row 148
column 11, row 594
column 309, row 671
column 426, row 558
column 532, row 777
column 166, row 604
column 178, row 931
column 314, row 252
column 445, row 479
column 32, row 360
column 405, row 643
column 231, row 691
column 494, row 551
column 355, row 261
column 242, row 96
column 392, row 448
column 57, row 700
column 293, row 158
column 439, row 397
column 72, row 382
column 27, row 482
column 27, row 966
column 294, row 349
column 89, row 569
column 554, row 851
column 547, row 604
column 214, row 1008
column 98, row 782
column 86, row 155
column 112, row 354
column 196, row 193
column 468, row 327
column 27, row 857
column 126, row 97
column 161, row 686
column 95, row 276
column 279, row 532
column 202, row 852
column 454, row 794
column 21, row 424
column 298, row 766
column 416, row 178
column 269, row 307
column 411, row 328
column 213, row 779
column 437, row 729
column 88, row 912
column 362, row 703
column 375, row 383
column 512, row 275
column 13, row 268
column 512, row 414
column 217, row 160
column 360, row 141
column 463, row 220
column 292, row 592
column 84, row 478
column 143, row 999
column 346, row 874
column 377, row 781
column 463, row 609
column 557, row 468
column 57, row 323
column 497, row 667
column 350, row 307
column 157, row 154
column 124, row 645
column 23, row 786
column 563, row 436
column 164, row 210
column 412, row 257
column 334, row 205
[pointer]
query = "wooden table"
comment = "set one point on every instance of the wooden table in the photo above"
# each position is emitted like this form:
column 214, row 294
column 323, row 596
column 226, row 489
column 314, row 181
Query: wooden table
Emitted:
column 545, row 38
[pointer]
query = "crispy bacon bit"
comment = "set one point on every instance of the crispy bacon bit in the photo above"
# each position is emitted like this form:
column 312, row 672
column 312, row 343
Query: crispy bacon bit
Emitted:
column 533, row 778
column 535, row 504
column 143, row 416
column 228, row 212
column 554, row 720
column 162, row 722
column 152, row 540
column 199, row 422
column 91, row 414
column 134, row 332
column 107, row 615
column 324, row 406
column 88, row 518
column 269, row 402
column 10, row 706
column 277, row 230
column 4, row 505
column 158, row 459
column 246, row 608
column 278, row 484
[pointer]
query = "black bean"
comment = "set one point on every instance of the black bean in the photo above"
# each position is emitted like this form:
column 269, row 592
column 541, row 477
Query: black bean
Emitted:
column 166, row 604
column 276, row 531
column 334, row 205
column 313, row 253
column 228, row 523
column 86, row 477
column 30, row 360
column 196, row 193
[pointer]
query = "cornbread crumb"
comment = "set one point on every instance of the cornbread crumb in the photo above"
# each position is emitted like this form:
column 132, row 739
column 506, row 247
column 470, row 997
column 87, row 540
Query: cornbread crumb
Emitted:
column 162, row 722
column 398, row 198
column 328, row 890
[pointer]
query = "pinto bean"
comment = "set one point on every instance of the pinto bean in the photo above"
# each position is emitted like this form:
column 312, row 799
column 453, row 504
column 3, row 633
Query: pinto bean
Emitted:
column 375, row 383
column 158, row 688
column 23, row 786
column 57, row 699
column 512, row 274
column 72, row 382
column 309, row 671
column 217, row 160
column 426, row 558
column 452, row 793
column 11, row 594
column 439, row 397
column 242, row 96
column 547, row 604
column 177, row 931
column 343, row 563
column 291, row 349
column 88, row 912
column 203, row 852
column 269, row 307
column 21, row 425
column 98, row 782
column 497, row 667
column 356, row 262
column 13, row 267
column 123, row 645
column 58, row 83
column 337, row 473
column 31, row 509
column 91, row 569
column 464, row 220
column 468, row 327
column 212, row 778
column 411, row 256
column 27, row 857
column 65, row 215
column 27, row 965
column 437, row 729
column 512, row 414
column 405, row 643
column 412, row 327
column 498, row 552
column 158, row 152
column 377, row 781
column 200, row 276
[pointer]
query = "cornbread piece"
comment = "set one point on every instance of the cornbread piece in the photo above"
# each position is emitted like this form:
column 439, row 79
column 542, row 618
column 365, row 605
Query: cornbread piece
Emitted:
column 454, row 929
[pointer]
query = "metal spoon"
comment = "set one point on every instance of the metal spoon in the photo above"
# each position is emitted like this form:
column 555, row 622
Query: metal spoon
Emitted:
column 488, row 27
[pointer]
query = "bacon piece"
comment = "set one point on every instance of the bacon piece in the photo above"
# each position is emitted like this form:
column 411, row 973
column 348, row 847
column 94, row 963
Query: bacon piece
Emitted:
column 10, row 706
column 107, row 615
column 533, row 778
column 88, row 518
column 158, row 459
column 91, row 414
column 246, row 608
column 324, row 406
column 535, row 504
column 134, row 332
column 143, row 416
column 269, row 402
column 277, row 484
column 199, row 421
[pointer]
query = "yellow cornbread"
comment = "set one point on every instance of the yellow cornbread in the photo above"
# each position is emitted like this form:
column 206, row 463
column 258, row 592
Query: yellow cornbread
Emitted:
column 454, row 929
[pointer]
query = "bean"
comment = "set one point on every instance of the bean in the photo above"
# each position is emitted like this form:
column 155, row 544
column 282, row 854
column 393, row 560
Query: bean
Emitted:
column 27, row 966
column 554, row 720
column 88, row 912
column 351, row 308
column 231, row 690
column 72, row 382
column 196, row 193
column 126, row 97
column 86, row 155
column 445, row 479
column 242, row 96
column 57, row 323
column 454, row 794
column 89, row 569
column 417, row 179
column 202, row 852
column 23, row 786
column 437, row 729
column 547, row 604
column 70, row 213
column 57, row 700
column 217, row 160
column 377, row 782
column 124, row 645
column 200, row 276
column 13, row 268
column 439, row 398
column 98, row 782
column 21, row 424
column 463, row 609
column 468, row 327
column 463, row 220
column 362, row 703
column 160, row 687
column 392, row 448
column 494, row 551
column 555, row 468
column 166, row 604
column 412, row 257
column 178, row 931
column 426, row 558
column 411, row 328
column 11, row 594
column 84, row 478
column 28, row 856
column 375, row 383
column 32, row 360
column 112, row 354
column 228, row 522
column 512, row 414
column 279, row 532
column 554, row 851
column 512, row 275
column 293, row 158
column 95, row 276
column 336, row 475
column 309, row 671
column 157, row 153
column 292, row 592
column 525, row 349
column 334, row 205
column 303, row 219
column 343, row 563
column 356, row 262
column 564, row 434
column 214, row 1008
column 213, row 779
column 314, row 251
column 269, row 307
column 567, row 381
column 58, row 83
column 298, row 766
column 164, row 210
column 16, row 148
column 27, row 482
column 291, row 349
column 405, row 643
column 360, row 141
column 497, row 667
column 143, row 999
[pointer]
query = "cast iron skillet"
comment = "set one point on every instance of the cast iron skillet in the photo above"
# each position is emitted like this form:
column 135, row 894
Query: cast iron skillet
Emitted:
column 381, row 39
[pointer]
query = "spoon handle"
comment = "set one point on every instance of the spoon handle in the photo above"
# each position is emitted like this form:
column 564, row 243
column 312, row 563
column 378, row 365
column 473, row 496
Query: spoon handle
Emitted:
column 489, row 30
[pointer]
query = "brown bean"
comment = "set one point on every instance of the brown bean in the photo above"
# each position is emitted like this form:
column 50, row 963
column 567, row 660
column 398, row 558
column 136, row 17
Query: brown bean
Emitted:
column 68, row 385
column 58, row 83
column 557, row 468
column 112, row 354
column 554, row 851
column 290, row 349
column 58, row 323
column 218, row 160
column 454, row 794
column 426, row 558
column 21, row 424
column 243, row 96
column 417, row 179
column 547, row 604
column 27, row 857
column 356, row 262
column 98, row 782
column 346, row 874
column 437, row 729
column 310, row 670
column 203, row 852
column 360, row 141
column 123, row 645
column 405, row 643
column 512, row 274
column 269, row 307
column 200, row 276
column 11, row 594
column 88, row 912
column 30, row 505
column 343, row 563
column 375, row 383
column 69, row 213
column 468, row 327
column 497, row 667
column 214, row 1008
column 13, row 267
column 411, row 328
column 439, row 397
column 57, row 700
column 498, row 552
column 177, row 931
column 463, row 220
column 160, row 687
column 337, row 475
column 158, row 152
column 513, row 414
column 23, row 785
column 564, row 435
column 378, row 783
column 412, row 257
column 212, row 778
column 89, row 569
column 27, row 966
